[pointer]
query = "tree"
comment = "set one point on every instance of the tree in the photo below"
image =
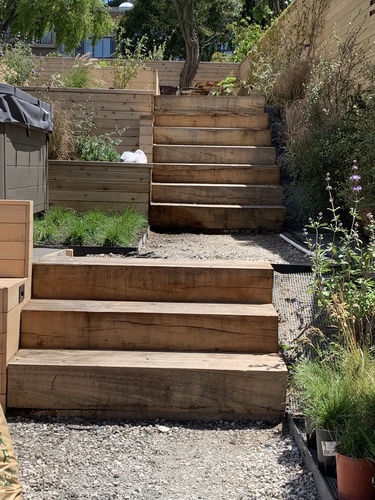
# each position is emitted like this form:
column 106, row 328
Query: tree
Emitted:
column 204, row 26
column 73, row 21
column 185, row 14
column 263, row 11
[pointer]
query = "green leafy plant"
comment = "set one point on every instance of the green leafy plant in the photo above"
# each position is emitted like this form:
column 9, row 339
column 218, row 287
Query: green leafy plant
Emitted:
column 60, row 226
column 343, row 268
column 91, row 147
column 232, row 85
column 246, row 34
column 17, row 62
column 128, row 60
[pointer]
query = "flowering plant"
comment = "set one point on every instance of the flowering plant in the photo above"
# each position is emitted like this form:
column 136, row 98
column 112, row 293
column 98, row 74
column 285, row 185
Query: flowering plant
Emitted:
column 344, row 269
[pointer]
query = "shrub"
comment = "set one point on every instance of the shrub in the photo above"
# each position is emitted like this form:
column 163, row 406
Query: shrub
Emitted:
column 128, row 60
column 91, row 147
column 335, row 123
column 17, row 62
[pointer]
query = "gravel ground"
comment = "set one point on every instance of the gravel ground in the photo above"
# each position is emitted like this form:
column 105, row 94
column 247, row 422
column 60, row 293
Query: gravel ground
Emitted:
column 70, row 458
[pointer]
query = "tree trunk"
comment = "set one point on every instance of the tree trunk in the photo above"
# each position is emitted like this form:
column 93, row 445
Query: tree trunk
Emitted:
column 185, row 14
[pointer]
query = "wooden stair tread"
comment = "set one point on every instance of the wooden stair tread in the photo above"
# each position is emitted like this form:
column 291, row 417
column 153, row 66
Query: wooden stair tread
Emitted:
column 257, row 119
column 209, row 129
column 216, row 165
column 169, row 308
column 139, row 385
column 215, row 147
column 203, row 205
column 150, row 326
column 155, row 263
column 156, row 360
column 214, row 185
column 158, row 280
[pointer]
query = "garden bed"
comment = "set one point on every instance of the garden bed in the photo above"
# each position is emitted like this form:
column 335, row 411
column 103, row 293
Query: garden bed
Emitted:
column 91, row 233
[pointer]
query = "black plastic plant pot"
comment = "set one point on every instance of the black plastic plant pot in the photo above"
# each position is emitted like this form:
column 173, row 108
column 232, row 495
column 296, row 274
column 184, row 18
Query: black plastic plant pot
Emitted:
column 326, row 451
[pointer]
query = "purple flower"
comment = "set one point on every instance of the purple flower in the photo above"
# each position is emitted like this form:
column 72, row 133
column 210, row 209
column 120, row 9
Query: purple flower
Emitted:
column 356, row 188
column 355, row 178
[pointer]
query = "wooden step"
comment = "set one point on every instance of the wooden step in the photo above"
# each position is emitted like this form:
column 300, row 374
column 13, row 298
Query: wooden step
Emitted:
column 211, row 194
column 151, row 326
column 214, row 154
column 216, row 174
column 214, row 119
column 159, row 280
column 209, row 103
column 212, row 136
column 149, row 385
column 174, row 216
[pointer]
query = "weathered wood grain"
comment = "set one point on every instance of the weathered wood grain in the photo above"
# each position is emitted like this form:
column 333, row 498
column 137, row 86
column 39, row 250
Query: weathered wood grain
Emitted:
column 223, row 118
column 216, row 217
column 216, row 174
column 234, row 104
column 214, row 154
column 231, row 194
column 151, row 326
column 149, row 384
column 153, row 280
column 212, row 136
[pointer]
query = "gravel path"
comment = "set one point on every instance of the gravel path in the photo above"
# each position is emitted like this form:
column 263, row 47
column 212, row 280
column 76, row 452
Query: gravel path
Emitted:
column 67, row 459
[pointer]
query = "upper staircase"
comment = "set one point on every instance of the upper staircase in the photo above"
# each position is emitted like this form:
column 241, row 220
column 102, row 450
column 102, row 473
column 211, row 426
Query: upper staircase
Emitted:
column 214, row 167
column 149, row 338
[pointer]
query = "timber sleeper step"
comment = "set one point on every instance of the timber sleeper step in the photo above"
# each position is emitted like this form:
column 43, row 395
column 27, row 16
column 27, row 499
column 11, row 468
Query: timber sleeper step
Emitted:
column 73, row 324
column 211, row 194
column 149, row 385
column 205, row 217
column 159, row 280
column 209, row 103
column 165, row 153
column 214, row 173
column 219, row 118
column 212, row 136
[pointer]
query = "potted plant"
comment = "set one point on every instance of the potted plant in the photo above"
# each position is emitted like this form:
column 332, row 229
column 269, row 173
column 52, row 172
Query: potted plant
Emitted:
column 324, row 393
column 355, row 436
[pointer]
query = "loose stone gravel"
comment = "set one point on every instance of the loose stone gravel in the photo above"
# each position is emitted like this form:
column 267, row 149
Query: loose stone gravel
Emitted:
column 77, row 459
column 71, row 458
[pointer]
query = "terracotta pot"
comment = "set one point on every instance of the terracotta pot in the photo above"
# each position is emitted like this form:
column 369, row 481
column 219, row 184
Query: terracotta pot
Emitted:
column 355, row 478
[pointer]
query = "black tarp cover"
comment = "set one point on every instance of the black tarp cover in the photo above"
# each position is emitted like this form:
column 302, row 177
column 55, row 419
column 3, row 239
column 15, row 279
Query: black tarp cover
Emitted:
column 19, row 107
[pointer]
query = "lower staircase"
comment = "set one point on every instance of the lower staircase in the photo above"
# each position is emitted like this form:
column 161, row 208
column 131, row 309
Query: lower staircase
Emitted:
column 214, row 167
column 149, row 338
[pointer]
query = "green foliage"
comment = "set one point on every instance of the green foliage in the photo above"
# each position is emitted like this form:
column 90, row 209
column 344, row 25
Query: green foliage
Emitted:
column 79, row 76
column 333, row 124
column 232, row 85
column 91, row 147
column 128, row 60
column 61, row 226
column 245, row 36
column 158, row 20
column 72, row 21
column 338, row 393
column 343, row 269
column 17, row 62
